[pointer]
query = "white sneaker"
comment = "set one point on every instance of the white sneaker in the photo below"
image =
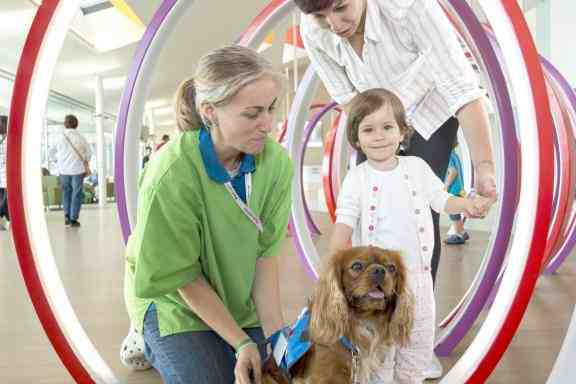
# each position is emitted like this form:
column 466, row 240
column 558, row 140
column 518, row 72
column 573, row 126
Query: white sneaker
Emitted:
column 434, row 369
column 132, row 352
column 451, row 231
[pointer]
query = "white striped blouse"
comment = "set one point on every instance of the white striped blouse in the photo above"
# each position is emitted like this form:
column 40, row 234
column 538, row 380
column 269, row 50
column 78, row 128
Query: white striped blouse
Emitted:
column 410, row 48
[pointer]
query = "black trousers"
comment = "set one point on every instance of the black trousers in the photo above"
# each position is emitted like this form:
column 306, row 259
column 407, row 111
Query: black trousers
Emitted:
column 436, row 152
column 4, row 204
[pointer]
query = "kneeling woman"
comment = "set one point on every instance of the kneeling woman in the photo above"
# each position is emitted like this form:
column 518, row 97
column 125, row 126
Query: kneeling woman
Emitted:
column 201, row 276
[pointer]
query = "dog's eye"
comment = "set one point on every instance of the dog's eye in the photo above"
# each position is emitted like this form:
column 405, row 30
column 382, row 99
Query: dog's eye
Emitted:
column 357, row 266
column 391, row 268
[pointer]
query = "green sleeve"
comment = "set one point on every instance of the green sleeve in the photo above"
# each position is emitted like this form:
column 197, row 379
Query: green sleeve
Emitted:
column 277, row 210
column 164, row 249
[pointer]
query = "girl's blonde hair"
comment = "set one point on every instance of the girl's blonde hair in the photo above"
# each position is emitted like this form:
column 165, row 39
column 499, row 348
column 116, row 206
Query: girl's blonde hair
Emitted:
column 219, row 76
column 370, row 101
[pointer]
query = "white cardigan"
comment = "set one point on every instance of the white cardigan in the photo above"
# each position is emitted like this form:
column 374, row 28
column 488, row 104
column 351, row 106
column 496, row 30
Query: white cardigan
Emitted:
column 361, row 201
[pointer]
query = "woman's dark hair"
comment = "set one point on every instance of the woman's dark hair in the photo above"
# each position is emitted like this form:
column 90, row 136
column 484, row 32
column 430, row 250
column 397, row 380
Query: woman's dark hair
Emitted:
column 370, row 101
column 71, row 121
column 310, row 6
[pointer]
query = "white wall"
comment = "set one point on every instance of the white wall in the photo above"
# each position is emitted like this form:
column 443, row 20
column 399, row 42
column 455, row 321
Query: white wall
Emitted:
column 553, row 25
column 562, row 32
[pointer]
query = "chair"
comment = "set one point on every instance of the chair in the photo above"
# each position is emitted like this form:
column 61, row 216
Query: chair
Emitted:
column 51, row 191
column 110, row 192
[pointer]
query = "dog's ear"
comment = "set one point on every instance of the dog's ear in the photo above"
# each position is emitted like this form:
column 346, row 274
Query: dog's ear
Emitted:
column 403, row 316
column 330, row 315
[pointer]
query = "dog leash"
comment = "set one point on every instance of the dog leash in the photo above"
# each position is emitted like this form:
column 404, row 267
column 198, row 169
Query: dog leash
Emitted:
column 355, row 366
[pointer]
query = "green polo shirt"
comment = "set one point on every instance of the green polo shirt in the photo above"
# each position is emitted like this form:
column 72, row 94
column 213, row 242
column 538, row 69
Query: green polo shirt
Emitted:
column 188, row 226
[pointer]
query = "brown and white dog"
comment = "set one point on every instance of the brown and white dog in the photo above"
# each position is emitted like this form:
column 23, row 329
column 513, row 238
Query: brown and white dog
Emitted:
column 362, row 295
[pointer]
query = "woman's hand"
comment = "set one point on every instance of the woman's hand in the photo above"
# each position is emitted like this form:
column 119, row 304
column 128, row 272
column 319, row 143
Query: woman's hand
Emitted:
column 485, row 179
column 248, row 369
column 478, row 206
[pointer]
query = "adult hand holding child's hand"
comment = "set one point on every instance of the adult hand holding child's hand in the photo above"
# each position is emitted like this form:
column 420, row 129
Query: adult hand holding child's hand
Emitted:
column 479, row 206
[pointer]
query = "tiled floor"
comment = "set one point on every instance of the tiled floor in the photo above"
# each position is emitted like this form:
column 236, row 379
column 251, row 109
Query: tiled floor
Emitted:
column 91, row 267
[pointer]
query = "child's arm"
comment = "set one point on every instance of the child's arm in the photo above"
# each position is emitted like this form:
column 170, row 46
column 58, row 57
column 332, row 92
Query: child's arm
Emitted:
column 441, row 201
column 471, row 207
column 348, row 212
column 340, row 237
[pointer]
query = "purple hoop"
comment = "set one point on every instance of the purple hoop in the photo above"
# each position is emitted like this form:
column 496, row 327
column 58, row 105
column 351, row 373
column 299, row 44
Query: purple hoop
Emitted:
column 570, row 241
column 301, row 153
column 139, row 56
column 510, row 185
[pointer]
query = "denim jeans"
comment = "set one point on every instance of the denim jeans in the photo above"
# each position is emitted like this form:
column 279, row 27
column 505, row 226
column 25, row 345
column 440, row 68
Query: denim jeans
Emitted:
column 4, row 204
column 198, row 357
column 73, row 194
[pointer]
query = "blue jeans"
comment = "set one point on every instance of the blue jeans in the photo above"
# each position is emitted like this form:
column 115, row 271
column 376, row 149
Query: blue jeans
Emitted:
column 4, row 204
column 73, row 194
column 192, row 357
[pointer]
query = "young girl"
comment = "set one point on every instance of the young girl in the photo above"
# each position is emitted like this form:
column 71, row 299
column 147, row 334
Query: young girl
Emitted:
column 386, row 202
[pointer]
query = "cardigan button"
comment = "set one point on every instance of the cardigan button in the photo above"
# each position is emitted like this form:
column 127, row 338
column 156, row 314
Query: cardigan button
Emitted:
column 422, row 229
column 413, row 193
column 371, row 227
column 375, row 189
column 425, row 248
column 372, row 207
column 417, row 211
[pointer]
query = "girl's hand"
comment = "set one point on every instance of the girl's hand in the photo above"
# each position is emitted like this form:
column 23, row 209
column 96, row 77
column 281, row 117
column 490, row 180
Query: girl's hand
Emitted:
column 478, row 206
column 248, row 369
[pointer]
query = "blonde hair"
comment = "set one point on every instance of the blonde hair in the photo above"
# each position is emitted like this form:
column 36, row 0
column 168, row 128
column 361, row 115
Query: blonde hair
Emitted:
column 219, row 76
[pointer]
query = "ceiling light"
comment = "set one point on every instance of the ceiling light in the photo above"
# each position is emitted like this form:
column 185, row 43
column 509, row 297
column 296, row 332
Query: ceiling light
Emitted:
column 166, row 123
column 109, row 83
column 157, row 103
column 163, row 111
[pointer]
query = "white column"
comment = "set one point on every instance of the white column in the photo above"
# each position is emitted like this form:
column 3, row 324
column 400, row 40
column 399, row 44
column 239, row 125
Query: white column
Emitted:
column 151, row 122
column 100, row 159
column 561, row 25
column 295, row 48
column 288, row 92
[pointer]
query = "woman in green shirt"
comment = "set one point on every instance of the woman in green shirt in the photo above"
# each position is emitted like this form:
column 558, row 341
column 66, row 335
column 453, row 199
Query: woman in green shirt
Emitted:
column 202, row 276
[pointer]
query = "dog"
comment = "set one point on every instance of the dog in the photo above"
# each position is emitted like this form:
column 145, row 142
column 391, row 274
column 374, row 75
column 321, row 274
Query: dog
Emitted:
column 361, row 295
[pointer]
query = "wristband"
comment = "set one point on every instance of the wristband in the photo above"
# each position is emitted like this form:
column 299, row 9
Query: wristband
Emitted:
column 243, row 344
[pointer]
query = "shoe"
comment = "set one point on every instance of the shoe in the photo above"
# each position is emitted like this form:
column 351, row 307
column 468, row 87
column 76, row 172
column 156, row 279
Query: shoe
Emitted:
column 74, row 223
column 132, row 352
column 434, row 370
column 66, row 221
column 454, row 239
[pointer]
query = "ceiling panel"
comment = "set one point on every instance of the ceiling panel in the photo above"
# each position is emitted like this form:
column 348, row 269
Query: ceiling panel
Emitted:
column 203, row 27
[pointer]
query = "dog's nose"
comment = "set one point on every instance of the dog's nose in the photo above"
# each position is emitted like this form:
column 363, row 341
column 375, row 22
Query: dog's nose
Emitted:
column 378, row 274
